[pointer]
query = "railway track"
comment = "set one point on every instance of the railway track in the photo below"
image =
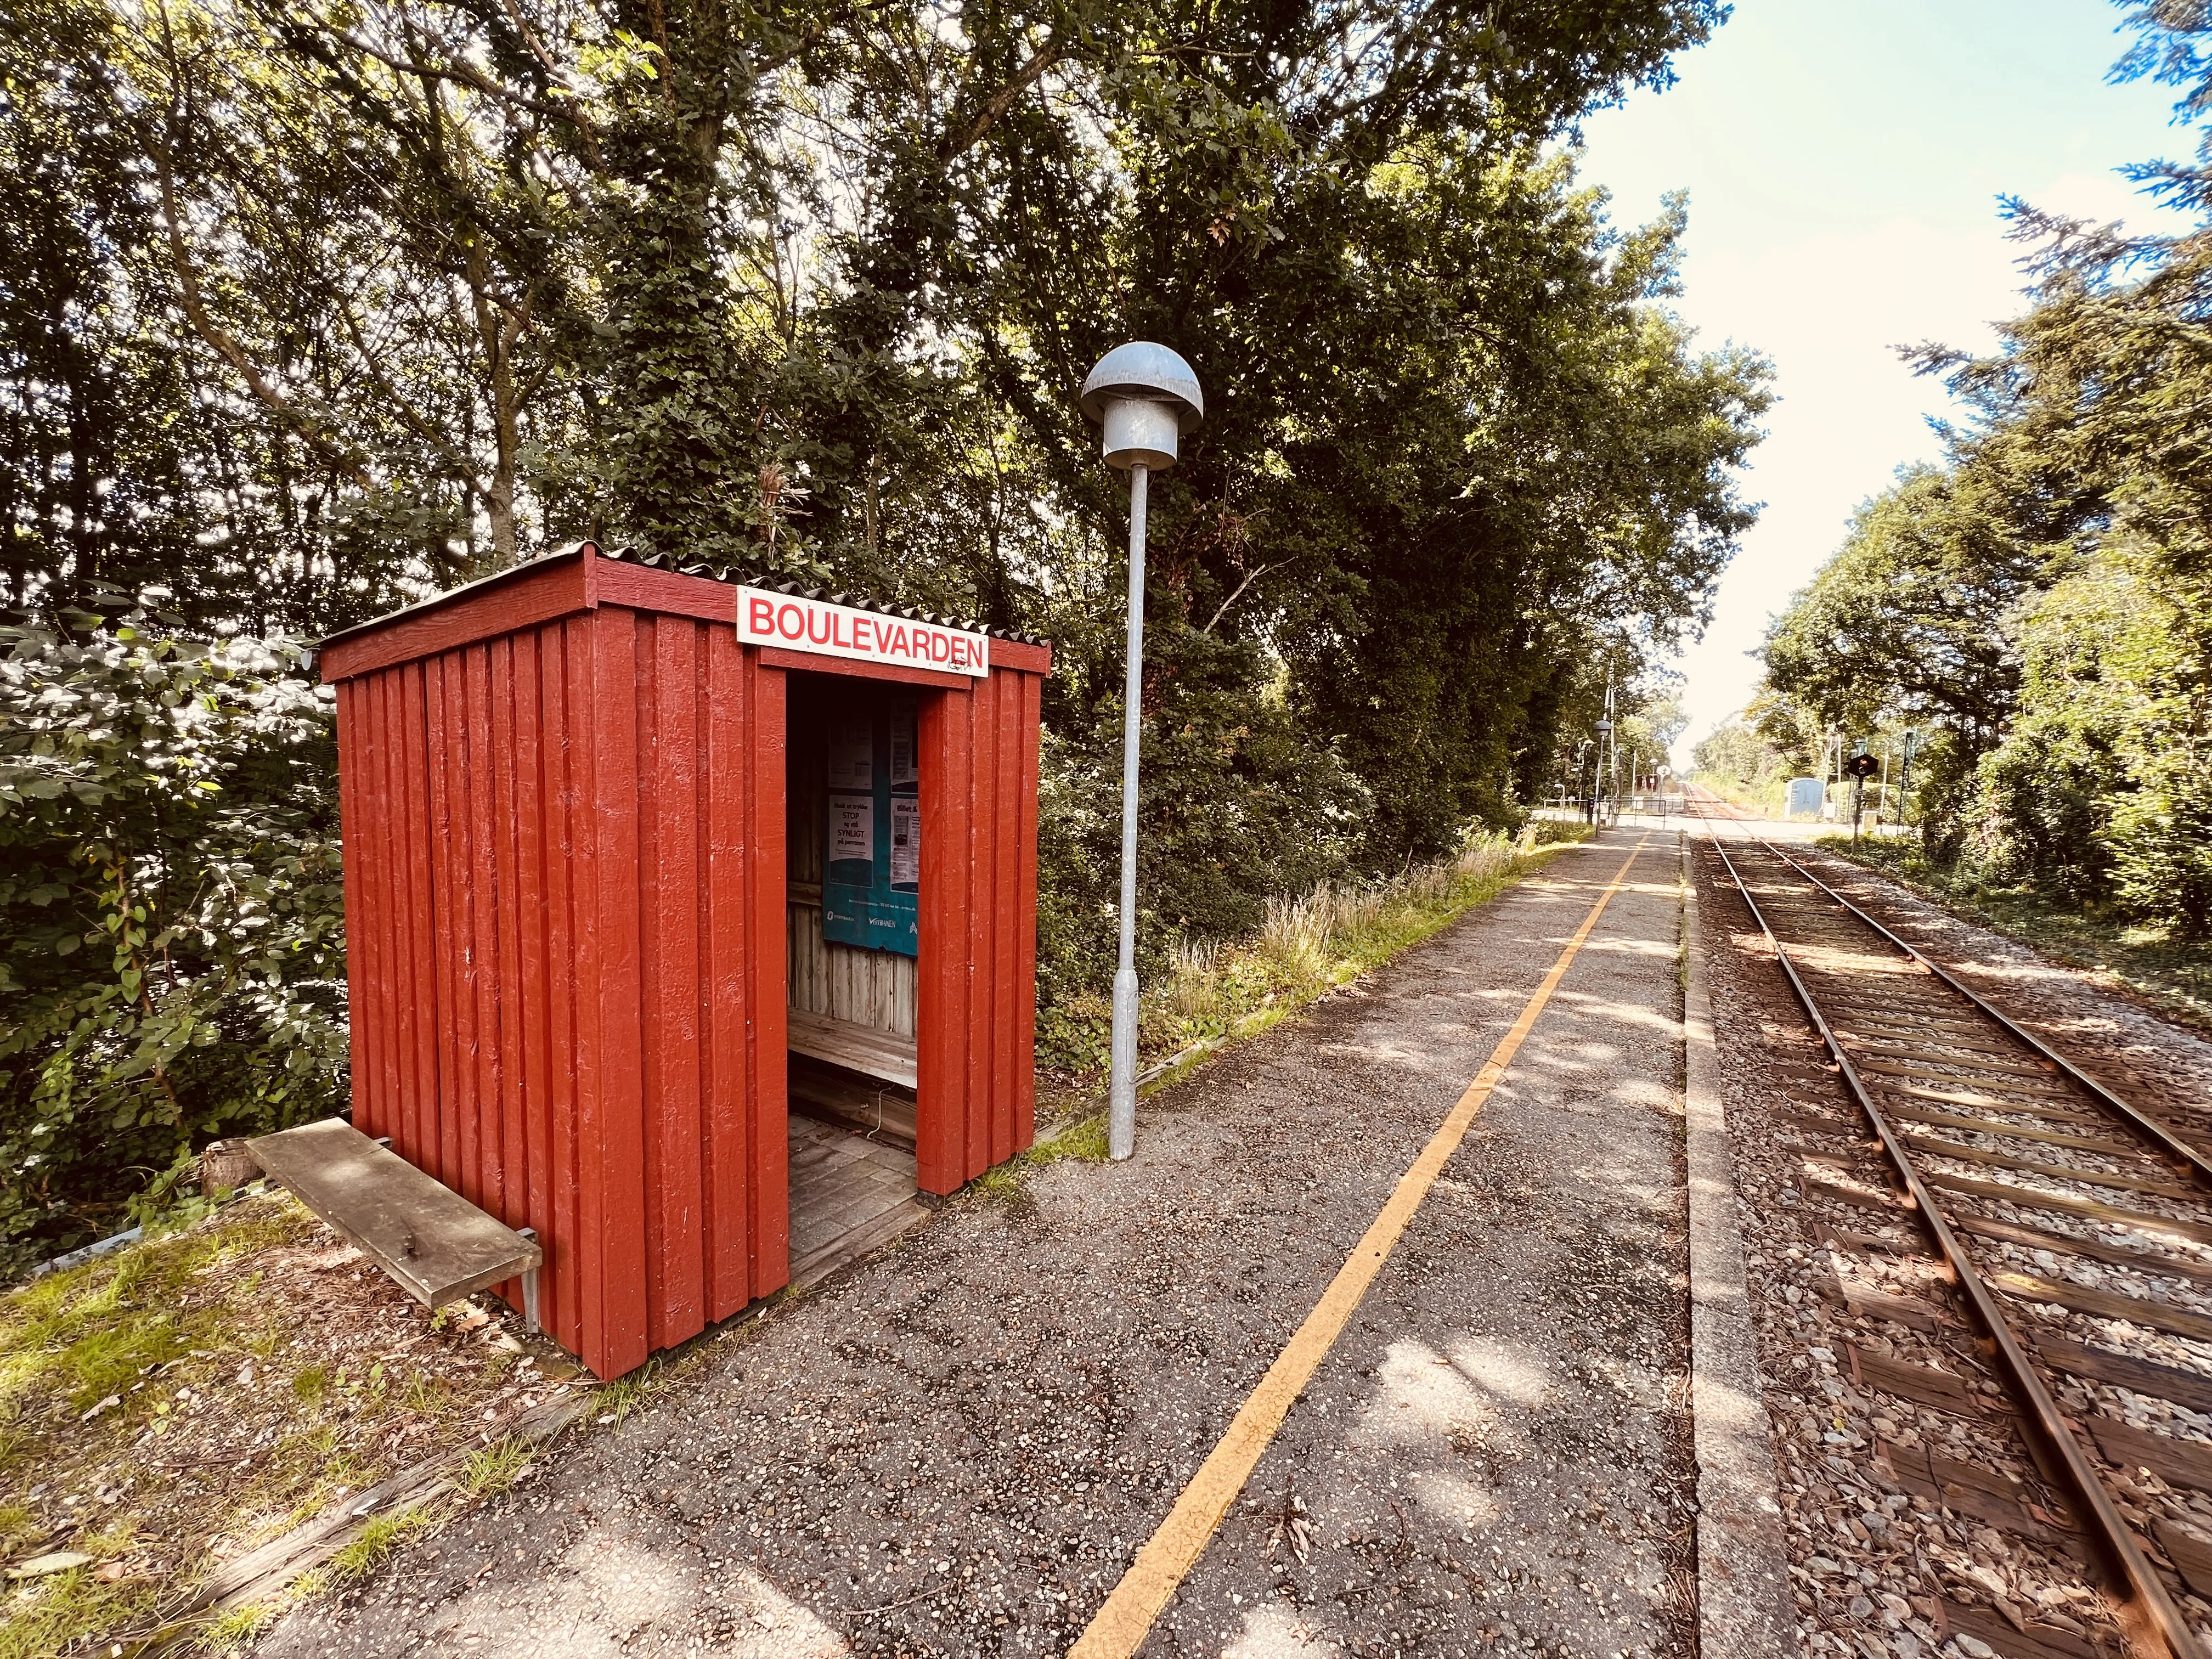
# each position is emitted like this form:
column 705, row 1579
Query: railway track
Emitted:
column 2032, row 1254
column 1706, row 805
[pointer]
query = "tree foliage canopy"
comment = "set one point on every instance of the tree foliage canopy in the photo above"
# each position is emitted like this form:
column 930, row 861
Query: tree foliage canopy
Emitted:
column 2046, row 597
column 308, row 308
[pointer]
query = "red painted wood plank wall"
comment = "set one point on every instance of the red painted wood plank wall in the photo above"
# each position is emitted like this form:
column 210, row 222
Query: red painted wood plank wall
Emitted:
column 976, row 1015
column 565, row 887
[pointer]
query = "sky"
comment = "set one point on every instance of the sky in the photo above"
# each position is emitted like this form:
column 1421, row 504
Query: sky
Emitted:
column 1843, row 159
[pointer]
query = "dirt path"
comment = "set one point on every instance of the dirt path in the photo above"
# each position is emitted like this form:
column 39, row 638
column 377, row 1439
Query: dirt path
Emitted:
column 956, row 1448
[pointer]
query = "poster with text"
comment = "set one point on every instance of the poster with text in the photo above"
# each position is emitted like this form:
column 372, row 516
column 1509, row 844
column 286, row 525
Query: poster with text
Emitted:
column 903, row 768
column 906, row 841
column 852, row 827
column 852, row 754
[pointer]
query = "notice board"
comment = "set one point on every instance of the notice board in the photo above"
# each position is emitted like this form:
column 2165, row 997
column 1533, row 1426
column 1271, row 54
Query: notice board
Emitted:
column 871, row 828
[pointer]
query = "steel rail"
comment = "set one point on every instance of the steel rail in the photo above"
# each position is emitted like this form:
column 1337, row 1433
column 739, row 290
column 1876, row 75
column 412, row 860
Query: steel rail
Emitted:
column 2150, row 1616
column 2149, row 1128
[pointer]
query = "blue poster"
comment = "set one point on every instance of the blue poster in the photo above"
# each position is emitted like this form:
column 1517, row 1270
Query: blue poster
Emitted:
column 871, row 828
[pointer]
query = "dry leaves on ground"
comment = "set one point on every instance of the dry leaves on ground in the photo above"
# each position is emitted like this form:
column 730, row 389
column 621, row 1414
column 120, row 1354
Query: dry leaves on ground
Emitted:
column 165, row 1408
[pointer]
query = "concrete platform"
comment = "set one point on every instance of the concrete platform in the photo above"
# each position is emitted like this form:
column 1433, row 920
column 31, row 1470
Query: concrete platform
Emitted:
column 958, row 1448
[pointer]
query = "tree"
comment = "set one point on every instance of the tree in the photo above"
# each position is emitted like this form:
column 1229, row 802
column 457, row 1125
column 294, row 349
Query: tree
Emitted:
column 105, row 434
column 2045, row 597
column 355, row 300
column 1505, row 513
column 1737, row 757
column 170, row 896
column 1912, row 618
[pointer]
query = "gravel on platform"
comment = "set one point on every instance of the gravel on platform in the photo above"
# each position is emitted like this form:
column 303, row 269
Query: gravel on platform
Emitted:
column 956, row 1448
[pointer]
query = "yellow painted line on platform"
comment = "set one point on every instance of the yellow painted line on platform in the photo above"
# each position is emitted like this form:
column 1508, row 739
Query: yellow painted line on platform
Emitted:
column 1153, row 1577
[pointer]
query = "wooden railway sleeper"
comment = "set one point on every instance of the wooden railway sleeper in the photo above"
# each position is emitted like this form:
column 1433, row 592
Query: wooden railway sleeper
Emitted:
column 2148, row 1617
column 2169, row 1143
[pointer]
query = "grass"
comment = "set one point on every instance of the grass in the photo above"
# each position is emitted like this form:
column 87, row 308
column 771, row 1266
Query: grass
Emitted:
column 59, row 1609
column 497, row 1467
column 83, row 1335
column 235, row 1626
column 2174, row 975
column 376, row 1540
column 1313, row 941
column 613, row 1402
column 1084, row 1140
column 166, row 1407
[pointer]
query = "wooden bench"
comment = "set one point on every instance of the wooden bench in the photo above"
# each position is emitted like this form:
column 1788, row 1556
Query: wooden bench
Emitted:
column 861, row 1049
column 434, row 1243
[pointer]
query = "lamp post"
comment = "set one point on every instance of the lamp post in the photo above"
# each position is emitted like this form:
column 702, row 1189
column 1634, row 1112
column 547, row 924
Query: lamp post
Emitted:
column 1612, row 754
column 1905, row 780
column 1599, row 769
column 1145, row 397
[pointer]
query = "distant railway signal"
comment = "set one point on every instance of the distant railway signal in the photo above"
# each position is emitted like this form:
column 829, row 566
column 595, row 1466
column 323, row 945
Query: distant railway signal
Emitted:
column 1905, row 780
column 1858, row 768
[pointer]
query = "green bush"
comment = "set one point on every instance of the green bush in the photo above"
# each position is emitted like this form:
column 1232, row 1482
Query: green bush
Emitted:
column 170, row 897
column 2101, row 791
column 2039, row 804
column 2160, row 667
column 1239, row 805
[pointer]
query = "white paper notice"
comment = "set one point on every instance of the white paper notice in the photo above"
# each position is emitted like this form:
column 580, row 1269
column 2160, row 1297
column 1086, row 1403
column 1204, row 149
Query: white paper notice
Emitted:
column 852, row 827
column 903, row 770
column 906, row 841
column 852, row 754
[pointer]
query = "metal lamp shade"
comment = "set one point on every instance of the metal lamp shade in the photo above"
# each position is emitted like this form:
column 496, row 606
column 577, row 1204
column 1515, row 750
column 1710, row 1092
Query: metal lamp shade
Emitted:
column 1145, row 397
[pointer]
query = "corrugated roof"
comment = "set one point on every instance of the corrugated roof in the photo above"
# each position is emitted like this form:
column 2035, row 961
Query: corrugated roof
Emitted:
column 857, row 601
column 711, row 571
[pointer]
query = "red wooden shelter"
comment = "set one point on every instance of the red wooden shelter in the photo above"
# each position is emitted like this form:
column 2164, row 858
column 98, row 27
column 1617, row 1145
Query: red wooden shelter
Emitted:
column 572, row 908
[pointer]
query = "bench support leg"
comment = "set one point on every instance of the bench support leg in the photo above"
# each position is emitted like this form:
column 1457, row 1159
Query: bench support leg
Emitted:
column 529, row 1287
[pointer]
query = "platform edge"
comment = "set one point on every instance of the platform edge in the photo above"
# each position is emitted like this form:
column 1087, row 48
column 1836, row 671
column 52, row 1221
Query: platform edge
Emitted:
column 1744, row 1604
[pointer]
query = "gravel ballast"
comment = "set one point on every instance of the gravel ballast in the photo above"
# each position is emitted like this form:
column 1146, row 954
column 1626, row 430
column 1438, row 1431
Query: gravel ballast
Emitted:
column 1879, row 1567
column 2158, row 1066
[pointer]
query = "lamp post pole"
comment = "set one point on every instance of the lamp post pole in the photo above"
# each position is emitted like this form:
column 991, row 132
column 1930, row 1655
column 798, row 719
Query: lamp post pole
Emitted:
column 1122, row 1093
column 1612, row 755
column 1143, row 398
column 1904, row 781
column 1601, row 764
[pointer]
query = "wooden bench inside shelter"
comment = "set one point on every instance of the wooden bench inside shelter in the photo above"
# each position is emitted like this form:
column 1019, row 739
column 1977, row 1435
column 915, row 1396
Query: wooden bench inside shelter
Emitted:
column 834, row 1094
column 434, row 1243
column 862, row 1049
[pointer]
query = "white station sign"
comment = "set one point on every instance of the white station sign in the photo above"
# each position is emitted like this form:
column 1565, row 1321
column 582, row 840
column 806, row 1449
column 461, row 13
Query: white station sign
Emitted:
column 792, row 623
